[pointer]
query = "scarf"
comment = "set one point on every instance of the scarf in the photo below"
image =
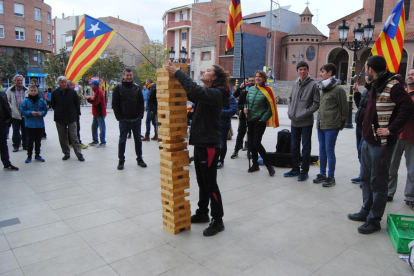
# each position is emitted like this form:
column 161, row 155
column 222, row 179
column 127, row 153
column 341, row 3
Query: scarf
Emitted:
column 328, row 84
column 268, row 92
column 34, row 99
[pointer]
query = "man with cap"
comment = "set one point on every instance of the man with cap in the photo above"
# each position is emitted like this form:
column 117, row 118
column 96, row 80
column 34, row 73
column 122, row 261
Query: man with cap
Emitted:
column 99, row 114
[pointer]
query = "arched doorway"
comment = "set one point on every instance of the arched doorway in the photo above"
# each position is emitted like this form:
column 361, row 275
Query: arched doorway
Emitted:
column 362, row 57
column 402, row 70
column 340, row 57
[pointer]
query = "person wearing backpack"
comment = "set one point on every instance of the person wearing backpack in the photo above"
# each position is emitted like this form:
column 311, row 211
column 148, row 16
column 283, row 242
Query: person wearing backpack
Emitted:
column 304, row 101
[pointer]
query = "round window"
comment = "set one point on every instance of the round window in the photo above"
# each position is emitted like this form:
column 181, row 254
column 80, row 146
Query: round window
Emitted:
column 310, row 53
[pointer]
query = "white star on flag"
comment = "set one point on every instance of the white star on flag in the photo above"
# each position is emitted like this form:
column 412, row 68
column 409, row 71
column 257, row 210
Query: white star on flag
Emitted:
column 94, row 28
column 390, row 20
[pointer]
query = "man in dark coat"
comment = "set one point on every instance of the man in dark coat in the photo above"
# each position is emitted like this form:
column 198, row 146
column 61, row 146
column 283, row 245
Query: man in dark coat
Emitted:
column 128, row 106
column 5, row 122
column 65, row 102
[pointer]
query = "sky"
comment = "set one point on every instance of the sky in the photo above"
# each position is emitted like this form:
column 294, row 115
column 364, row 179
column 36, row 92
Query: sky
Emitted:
column 148, row 13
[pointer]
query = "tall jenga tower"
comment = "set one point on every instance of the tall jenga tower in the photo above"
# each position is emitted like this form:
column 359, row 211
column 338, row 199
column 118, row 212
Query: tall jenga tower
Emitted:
column 172, row 129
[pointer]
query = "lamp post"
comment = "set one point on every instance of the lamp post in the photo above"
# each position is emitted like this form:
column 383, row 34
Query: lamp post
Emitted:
column 172, row 54
column 357, row 44
column 183, row 55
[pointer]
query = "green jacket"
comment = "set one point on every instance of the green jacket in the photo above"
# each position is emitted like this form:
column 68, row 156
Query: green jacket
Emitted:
column 332, row 106
column 258, row 105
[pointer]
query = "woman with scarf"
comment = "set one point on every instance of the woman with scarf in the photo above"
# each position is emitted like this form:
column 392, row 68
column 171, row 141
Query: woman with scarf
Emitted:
column 260, row 110
column 33, row 109
column 333, row 109
column 205, row 136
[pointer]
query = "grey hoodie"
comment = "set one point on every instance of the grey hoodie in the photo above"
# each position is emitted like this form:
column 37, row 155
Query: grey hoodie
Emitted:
column 304, row 101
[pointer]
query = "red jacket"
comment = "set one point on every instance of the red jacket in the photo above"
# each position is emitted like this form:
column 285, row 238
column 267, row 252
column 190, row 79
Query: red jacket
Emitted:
column 98, row 103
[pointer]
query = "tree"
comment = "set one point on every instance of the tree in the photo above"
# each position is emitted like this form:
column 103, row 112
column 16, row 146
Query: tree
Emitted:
column 109, row 68
column 55, row 66
column 156, row 52
column 14, row 64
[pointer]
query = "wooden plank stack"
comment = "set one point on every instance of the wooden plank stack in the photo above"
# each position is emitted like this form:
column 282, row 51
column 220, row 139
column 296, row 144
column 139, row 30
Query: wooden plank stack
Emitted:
column 172, row 129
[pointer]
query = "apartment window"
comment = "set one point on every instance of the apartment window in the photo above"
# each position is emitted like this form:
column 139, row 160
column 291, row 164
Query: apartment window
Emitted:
column 1, row 7
column 18, row 10
column 379, row 7
column 206, row 55
column 183, row 36
column 48, row 18
column 407, row 9
column 184, row 15
column 38, row 36
column 38, row 15
column 1, row 30
column 48, row 39
column 19, row 32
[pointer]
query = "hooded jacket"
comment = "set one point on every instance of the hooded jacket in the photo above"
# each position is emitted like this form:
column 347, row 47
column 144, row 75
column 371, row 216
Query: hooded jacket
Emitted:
column 304, row 101
column 127, row 101
column 209, row 102
column 259, row 106
column 28, row 106
column 98, row 103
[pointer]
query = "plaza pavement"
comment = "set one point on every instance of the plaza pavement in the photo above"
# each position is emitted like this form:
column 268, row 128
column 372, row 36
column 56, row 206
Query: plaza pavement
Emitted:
column 88, row 218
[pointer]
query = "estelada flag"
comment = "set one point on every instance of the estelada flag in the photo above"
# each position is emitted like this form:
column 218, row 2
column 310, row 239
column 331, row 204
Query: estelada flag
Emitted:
column 391, row 40
column 91, row 40
column 235, row 20
column 268, row 92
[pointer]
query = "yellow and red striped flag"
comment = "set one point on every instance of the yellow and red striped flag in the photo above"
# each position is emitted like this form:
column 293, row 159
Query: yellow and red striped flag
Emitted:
column 391, row 40
column 235, row 20
column 268, row 92
column 91, row 40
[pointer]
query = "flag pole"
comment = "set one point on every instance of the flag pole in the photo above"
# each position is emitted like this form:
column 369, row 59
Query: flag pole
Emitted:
column 137, row 50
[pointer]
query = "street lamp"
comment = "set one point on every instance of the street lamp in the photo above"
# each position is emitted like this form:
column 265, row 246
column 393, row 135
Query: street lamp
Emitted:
column 172, row 54
column 183, row 55
column 354, row 46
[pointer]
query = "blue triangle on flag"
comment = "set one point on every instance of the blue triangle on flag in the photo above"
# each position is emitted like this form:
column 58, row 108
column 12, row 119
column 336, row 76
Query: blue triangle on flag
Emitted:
column 94, row 27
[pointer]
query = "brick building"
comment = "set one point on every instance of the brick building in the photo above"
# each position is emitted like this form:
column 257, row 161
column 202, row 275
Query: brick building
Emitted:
column 26, row 26
column 65, row 30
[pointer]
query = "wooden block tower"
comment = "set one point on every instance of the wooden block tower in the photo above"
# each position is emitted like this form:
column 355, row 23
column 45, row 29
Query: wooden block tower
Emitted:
column 172, row 129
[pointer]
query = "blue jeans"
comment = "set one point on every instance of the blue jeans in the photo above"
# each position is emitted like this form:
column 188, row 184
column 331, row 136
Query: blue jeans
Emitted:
column 17, row 138
column 151, row 118
column 124, row 128
column 99, row 122
column 375, row 165
column 304, row 133
column 223, row 142
column 327, row 141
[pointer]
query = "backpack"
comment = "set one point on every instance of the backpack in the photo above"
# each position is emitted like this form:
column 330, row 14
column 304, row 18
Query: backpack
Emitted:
column 283, row 141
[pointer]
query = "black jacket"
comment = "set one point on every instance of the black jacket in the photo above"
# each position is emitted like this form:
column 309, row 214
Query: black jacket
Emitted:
column 127, row 101
column 5, row 110
column 362, row 105
column 205, row 128
column 66, row 105
column 152, row 98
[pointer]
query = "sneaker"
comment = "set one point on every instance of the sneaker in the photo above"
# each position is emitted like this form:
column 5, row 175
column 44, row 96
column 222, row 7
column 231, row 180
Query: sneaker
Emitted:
column 81, row 158
column 82, row 146
column 39, row 158
column 141, row 163
column 319, row 178
column 291, row 173
column 129, row 136
column 120, row 165
column 44, row 137
column 253, row 168
column 390, row 198
column 94, row 143
column 28, row 160
column 271, row 170
column 24, row 147
column 10, row 167
column 220, row 165
column 15, row 149
column 356, row 180
column 234, row 155
column 410, row 204
column 145, row 139
column 369, row 227
column 101, row 145
column 191, row 159
column 155, row 138
column 214, row 227
column 357, row 217
column 329, row 182
column 303, row 177
column 70, row 145
column 199, row 218
column 66, row 157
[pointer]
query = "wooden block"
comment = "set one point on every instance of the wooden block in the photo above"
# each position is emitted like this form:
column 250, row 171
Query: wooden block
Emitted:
column 171, row 104
column 170, row 91
column 173, row 155
column 181, row 145
column 167, row 113
column 175, row 164
column 175, row 184
column 177, row 229
column 172, row 107
column 179, row 124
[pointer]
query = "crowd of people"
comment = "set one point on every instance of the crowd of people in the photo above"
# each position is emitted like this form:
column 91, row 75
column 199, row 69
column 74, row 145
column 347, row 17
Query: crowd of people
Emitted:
column 384, row 128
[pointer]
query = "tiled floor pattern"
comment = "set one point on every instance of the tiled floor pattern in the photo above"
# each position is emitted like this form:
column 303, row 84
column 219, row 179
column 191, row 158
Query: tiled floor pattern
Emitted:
column 87, row 218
